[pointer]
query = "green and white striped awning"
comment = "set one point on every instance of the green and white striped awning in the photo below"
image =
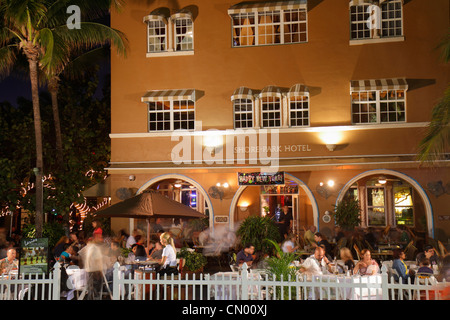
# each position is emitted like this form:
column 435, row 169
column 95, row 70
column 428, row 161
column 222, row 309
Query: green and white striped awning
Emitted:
column 379, row 84
column 164, row 95
column 243, row 93
column 298, row 90
column 259, row 6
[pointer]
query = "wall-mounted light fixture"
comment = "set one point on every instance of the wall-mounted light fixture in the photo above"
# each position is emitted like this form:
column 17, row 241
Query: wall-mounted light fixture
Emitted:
column 243, row 206
column 131, row 177
column 213, row 141
column 382, row 180
column 331, row 137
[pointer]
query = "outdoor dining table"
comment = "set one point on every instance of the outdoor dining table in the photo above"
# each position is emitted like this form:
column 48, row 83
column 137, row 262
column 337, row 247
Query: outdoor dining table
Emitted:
column 345, row 292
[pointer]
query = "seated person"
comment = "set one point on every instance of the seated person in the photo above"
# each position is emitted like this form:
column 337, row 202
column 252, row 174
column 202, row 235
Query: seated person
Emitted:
column 429, row 253
column 156, row 252
column 367, row 266
column 289, row 245
column 424, row 267
column 316, row 264
column 400, row 266
column 323, row 242
column 139, row 252
column 245, row 255
column 309, row 235
column 65, row 256
column 10, row 263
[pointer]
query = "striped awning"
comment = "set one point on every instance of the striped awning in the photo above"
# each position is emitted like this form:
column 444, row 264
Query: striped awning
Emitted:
column 271, row 91
column 259, row 6
column 243, row 93
column 376, row 2
column 160, row 14
column 182, row 14
column 379, row 84
column 158, row 95
column 298, row 90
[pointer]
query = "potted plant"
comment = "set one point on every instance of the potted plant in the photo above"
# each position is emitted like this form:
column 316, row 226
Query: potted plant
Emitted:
column 279, row 267
column 255, row 230
column 347, row 214
column 193, row 262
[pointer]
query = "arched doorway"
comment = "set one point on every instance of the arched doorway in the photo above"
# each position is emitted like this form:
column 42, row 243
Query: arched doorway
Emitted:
column 183, row 189
column 298, row 196
column 389, row 197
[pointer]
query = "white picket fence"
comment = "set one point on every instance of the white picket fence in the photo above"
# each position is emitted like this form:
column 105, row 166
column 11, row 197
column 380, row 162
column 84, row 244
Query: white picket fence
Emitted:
column 256, row 286
column 227, row 286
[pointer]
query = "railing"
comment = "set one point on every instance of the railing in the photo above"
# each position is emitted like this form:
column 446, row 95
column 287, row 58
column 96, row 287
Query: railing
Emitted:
column 258, row 286
column 31, row 286
column 229, row 286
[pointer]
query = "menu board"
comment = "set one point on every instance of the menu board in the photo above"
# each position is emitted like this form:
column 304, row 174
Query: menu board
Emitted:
column 33, row 256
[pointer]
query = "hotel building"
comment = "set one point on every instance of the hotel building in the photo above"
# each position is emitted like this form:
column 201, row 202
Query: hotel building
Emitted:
column 330, row 96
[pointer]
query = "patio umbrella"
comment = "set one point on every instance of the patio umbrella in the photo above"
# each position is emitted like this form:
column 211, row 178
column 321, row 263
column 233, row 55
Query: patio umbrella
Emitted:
column 149, row 205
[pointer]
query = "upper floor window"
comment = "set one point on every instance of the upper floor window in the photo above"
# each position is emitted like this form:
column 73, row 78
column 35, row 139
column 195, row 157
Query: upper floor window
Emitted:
column 378, row 101
column 268, row 23
column 372, row 21
column 170, row 110
column 271, row 100
column 298, row 106
column 243, row 104
column 169, row 34
column 272, row 107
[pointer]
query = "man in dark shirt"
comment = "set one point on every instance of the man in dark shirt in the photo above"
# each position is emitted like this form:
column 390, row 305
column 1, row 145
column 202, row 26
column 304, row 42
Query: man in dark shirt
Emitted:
column 322, row 242
column 245, row 255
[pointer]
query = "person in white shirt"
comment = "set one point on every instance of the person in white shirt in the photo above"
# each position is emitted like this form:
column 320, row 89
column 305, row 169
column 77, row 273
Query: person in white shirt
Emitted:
column 169, row 257
column 131, row 239
column 315, row 264
column 289, row 245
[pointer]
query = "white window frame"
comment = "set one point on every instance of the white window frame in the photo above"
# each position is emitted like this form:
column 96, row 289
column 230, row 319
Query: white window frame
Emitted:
column 292, row 100
column 172, row 112
column 189, row 24
column 375, row 35
column 239, row 103
column 256, row 25
column 171, row 36
column 276, row 100
column 155, row 36
column 378, row 101
column 368, row 189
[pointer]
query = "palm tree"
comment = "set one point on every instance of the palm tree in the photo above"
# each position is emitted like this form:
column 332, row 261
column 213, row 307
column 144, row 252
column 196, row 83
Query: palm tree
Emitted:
column 437, row 137
column 38, row 29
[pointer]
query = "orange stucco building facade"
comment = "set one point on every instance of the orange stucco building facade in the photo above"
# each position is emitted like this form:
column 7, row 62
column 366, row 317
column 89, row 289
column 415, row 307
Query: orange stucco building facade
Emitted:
column 334, row 94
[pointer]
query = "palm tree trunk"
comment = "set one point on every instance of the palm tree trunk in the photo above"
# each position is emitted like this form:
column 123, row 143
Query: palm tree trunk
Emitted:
column 32, row 56
column 53, row 88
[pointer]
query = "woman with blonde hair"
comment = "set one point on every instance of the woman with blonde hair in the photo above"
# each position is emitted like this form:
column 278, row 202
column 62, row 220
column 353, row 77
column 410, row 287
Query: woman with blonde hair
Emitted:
column 347, row 258
column 169, row 257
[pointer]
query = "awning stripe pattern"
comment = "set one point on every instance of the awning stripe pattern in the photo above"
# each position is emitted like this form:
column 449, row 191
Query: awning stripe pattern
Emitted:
column 247, row 6
column 158, row 95
column 379, row 84
column 271, row 91
column 243, row 93
column 298, row 90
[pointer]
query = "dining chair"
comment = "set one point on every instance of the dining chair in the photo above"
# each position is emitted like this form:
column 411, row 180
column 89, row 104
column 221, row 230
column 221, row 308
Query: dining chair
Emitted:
column 358, row 252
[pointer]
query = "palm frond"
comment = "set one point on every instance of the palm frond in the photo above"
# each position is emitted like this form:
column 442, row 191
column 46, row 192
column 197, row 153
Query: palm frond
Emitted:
column 437, row 138
column 8, row 55
column 92, row 34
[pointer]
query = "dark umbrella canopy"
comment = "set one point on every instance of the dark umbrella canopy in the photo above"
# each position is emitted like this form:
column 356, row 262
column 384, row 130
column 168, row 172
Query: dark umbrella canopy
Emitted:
column 149, row 205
